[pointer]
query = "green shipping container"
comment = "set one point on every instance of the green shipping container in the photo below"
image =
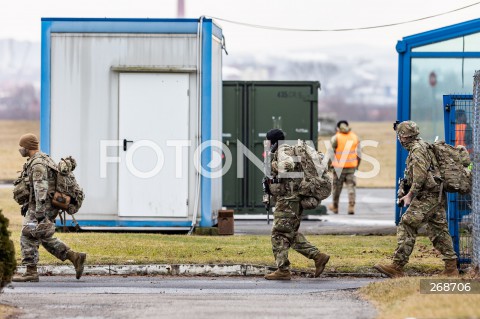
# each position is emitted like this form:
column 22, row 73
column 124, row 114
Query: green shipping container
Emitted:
column 250, row 109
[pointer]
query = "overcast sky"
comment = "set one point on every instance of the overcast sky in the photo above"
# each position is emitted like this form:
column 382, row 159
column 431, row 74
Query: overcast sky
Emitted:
column 20, row 19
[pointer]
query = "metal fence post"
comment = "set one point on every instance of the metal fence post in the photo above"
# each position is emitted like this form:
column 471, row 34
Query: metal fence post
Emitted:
column 476, row 171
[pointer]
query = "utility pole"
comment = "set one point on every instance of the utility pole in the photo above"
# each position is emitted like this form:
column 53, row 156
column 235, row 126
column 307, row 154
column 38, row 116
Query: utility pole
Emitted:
column 180, row 8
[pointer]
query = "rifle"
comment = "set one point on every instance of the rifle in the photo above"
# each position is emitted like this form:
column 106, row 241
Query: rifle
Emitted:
column 267, row 169
column 24, row 209
column 403, row 190
column 266, row 196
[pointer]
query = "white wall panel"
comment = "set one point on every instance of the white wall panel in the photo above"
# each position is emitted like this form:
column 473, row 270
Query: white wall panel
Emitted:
column 84, row 99
column 217, row 105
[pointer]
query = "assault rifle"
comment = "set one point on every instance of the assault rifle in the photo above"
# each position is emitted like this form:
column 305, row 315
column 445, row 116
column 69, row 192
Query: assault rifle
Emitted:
column 267, row 169
column 403, row 190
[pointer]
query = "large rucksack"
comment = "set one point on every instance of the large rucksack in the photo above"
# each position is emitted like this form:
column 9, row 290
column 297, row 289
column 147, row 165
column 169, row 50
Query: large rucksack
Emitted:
column 68, row 195
column 452, row 163
column 316, row 184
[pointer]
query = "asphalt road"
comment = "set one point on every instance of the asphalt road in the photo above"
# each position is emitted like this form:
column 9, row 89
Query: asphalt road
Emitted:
column 189, row 297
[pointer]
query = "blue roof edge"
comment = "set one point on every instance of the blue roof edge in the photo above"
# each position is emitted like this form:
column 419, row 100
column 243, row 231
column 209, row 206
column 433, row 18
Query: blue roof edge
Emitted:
column 440, row 34
column 124, row 19
column 64, row 24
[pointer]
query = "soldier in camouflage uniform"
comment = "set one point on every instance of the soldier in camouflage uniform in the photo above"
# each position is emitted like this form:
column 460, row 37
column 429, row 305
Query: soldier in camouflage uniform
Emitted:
column 345, row 156
column 426, row 201
column 39, row 214
column 288, row 212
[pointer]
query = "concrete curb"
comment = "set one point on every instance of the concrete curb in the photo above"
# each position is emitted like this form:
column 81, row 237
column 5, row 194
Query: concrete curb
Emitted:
column 211, row 270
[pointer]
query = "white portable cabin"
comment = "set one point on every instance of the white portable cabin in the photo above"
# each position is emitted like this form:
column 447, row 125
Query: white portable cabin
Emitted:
column 137, row 103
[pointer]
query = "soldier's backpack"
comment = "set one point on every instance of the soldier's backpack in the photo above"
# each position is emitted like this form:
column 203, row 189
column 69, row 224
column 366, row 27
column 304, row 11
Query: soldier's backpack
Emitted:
column 452, row 163
column 316, row 184
column 68, row 195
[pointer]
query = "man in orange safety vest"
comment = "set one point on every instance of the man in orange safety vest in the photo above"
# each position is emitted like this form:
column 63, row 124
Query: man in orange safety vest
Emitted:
column 345, row 158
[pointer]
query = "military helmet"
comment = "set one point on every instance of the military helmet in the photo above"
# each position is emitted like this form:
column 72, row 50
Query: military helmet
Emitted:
column 407, row 129
column 275, row 135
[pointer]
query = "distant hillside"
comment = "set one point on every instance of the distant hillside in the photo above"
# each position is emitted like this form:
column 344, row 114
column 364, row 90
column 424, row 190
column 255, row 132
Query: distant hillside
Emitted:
column 361, row 86
column 356, row 85
column 19, row 79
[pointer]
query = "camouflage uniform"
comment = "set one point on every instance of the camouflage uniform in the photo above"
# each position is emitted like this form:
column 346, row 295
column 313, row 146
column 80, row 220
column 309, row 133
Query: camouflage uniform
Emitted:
column 42, row 186
column 348, row 178
column 288, row 211
column 426, row 200
column 427, row 207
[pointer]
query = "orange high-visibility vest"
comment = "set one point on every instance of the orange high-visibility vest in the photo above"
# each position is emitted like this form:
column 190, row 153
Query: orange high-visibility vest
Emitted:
column 346, row 158
column 460, row 134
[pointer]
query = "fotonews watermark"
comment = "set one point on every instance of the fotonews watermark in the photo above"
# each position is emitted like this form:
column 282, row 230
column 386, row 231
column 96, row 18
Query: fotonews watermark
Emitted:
column 213, row 159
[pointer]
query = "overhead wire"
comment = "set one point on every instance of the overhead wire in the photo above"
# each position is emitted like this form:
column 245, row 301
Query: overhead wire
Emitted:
column 275, row 28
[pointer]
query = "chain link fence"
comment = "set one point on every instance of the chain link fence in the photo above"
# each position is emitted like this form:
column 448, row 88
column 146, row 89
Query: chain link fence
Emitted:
column 458, row 131
column 476, row 171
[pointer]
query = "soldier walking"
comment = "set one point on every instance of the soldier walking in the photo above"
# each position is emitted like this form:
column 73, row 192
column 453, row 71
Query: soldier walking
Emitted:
column 288, row 211
column 345, row 160
column 39, row 213
column 426, row 201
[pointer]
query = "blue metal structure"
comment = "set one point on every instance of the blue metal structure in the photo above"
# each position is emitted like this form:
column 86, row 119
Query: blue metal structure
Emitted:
column 458, row 111
column 431, row 64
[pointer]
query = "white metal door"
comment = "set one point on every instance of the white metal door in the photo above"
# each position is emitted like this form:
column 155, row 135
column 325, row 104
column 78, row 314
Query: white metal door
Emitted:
column 153, row 110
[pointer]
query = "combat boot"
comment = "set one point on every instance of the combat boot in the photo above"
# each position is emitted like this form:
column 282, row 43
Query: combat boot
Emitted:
column 450, row 268
column 31, row 275
column 333, row 207
column 392, row 271
column 320, row 261
column 78, row 260
column 351, row 209
column 279, row 275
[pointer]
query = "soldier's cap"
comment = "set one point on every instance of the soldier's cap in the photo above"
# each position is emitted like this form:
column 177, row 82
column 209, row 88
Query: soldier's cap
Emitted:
column 342, row 122
column 275, row 135
column 29, row 141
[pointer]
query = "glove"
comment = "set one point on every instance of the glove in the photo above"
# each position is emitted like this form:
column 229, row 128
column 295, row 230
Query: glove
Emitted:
column 24, row 210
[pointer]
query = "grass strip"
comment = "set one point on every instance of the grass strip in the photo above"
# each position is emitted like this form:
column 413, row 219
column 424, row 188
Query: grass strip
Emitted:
column 348, row 253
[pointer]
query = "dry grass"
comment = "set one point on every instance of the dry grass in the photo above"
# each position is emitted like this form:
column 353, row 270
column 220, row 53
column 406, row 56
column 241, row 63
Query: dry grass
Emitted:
column 348, row 253
column 7, row 312
column 10, row 132
column 385, row 152
column 401, row 298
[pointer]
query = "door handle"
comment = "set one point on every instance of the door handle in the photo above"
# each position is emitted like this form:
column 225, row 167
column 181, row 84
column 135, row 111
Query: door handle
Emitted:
column 125, row 142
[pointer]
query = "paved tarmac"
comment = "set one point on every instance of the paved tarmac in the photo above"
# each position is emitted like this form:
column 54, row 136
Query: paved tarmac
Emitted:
column 183, row 297
column 374, row 215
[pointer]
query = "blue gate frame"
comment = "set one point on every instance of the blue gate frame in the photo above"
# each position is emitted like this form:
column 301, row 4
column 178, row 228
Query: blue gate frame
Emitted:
column 459, row 206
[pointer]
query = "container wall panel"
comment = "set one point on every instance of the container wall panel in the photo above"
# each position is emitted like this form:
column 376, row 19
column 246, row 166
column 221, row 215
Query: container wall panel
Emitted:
column 84, row 99
column 216, row 115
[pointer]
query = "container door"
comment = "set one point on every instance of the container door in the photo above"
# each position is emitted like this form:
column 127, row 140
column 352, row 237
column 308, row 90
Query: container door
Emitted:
column 233, row 131
column 287, row 107
column 153, row 111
